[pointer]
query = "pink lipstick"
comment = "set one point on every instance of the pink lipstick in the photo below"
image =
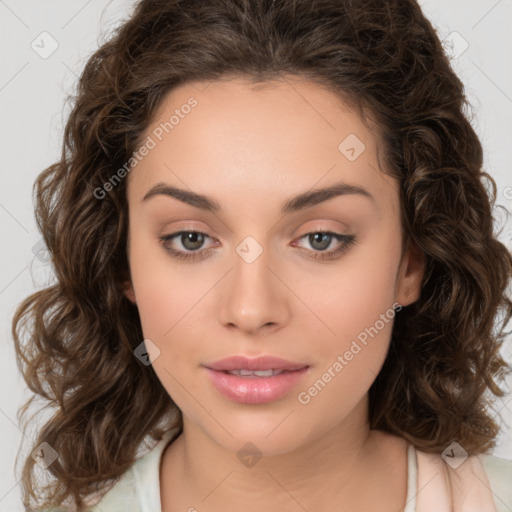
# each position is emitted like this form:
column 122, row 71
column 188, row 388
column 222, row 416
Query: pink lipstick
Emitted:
column 255, row 380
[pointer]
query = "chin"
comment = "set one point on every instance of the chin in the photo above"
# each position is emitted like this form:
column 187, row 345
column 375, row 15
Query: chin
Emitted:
column 268, row 436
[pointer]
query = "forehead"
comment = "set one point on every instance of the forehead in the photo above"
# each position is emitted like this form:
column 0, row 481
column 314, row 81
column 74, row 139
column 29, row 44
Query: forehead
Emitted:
column 235, row 139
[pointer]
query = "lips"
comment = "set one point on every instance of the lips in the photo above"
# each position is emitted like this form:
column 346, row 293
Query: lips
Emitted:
column 255, row 380
column 255, row 390
column 260, row 363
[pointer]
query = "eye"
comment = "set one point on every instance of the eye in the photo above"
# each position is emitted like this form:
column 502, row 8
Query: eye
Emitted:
column 190, row 241
column 321, row 240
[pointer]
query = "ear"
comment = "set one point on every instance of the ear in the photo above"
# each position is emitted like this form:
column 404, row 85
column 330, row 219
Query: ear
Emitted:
column 129, row 292
column 410, row 275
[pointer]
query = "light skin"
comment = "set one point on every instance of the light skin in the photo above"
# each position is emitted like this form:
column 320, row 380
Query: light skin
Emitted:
column 251, row 150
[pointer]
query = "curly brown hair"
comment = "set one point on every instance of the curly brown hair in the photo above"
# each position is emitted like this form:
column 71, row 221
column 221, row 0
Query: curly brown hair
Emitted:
column 382, row 56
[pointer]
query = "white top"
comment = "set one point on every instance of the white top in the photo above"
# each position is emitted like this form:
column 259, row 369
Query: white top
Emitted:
column 138, row 489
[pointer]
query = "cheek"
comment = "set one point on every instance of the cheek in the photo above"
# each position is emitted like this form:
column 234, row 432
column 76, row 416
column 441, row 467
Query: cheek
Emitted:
column 164, row 296
column 353, row 294
column 357, row 307
column 171, row 306
column 166, row 305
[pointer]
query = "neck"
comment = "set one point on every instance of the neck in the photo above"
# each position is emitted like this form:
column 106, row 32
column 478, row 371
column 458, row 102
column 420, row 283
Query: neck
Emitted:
column 335, row 464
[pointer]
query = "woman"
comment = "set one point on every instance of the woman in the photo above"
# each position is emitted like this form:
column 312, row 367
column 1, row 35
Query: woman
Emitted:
column 275, row 255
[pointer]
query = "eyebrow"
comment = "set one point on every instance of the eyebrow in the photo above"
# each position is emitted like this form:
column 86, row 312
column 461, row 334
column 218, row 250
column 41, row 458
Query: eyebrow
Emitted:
column 297, row 203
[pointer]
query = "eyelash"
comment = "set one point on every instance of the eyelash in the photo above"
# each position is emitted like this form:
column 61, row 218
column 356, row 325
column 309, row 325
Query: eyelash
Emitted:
column 347, row 240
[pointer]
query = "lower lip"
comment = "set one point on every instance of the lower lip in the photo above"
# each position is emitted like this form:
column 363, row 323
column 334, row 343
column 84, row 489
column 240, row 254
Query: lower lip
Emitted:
column 255, row 390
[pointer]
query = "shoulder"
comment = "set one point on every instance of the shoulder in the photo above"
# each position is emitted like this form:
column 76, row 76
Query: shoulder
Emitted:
column 121, row 496
column 499, row 474
column 477, row 482
column 138, row 488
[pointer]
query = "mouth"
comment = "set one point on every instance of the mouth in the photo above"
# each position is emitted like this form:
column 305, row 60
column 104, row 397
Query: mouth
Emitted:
column 256, row 386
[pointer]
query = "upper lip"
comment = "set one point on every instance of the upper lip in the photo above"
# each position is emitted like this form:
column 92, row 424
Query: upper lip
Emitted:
column 255, row 363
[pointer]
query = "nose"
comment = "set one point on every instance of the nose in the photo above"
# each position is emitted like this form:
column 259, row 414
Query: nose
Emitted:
column 254, row 298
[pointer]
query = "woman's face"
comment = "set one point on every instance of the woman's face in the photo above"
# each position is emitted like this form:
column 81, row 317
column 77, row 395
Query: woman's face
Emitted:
column 265, row 278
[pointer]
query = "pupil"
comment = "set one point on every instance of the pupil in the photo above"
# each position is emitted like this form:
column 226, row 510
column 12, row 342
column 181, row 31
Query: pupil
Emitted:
column 324, row 240
column 190, row 241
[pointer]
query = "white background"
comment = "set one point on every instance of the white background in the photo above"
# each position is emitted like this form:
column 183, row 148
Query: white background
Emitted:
column 32, row 94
